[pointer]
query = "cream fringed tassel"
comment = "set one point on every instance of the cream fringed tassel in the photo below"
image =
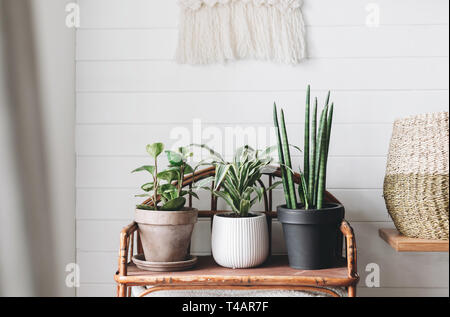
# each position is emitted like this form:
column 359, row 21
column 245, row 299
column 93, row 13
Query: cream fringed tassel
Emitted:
column 217, row 31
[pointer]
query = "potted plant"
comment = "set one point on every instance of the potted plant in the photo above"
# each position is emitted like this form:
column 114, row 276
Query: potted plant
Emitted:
column 239, row 238
column 166, row 225
column 310, row 226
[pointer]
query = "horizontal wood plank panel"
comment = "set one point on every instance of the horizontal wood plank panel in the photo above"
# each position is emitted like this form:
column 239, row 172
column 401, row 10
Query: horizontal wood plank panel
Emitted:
column 402, row 292
column 164, row 13
column 323, row 42
column 115, row 172
column 362, row 74
column 97, row 290
column 97, row 267
column 97, row 204
column 126, row 140
column 253, row 107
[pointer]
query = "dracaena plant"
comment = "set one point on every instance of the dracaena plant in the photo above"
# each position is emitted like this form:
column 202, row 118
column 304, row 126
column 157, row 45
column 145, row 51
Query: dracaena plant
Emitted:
column 317, row 143
column 237, row 182
column 166, row 188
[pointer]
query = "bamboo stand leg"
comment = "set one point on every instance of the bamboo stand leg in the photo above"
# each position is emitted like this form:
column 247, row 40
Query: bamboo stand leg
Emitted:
column 352, row 291
column 121, row 290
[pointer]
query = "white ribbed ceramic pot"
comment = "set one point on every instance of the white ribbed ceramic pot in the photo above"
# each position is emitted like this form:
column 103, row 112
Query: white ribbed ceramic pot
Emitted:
column 240, row 242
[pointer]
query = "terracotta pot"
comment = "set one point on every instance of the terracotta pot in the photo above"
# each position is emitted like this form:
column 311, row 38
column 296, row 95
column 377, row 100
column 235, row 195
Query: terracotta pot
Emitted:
column 240, row 242
column 165, row 235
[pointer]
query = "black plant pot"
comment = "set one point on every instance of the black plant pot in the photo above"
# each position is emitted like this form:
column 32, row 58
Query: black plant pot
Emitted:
column 313, row 237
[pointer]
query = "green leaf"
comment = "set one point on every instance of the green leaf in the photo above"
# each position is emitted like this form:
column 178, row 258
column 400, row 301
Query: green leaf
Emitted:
column 155, row 149
column 307, row 134
column 242, row 153
column 143, row 195
column 188, row 169
column 232, row 191
column 175, row 159
column 216, row 156
column 187, row 192
column 269, row 169
column 288, row 168
column 194, row 194
column 185, row 151
column 311, row 181
column 176, row 170
column 221, row 172
column 148, row 187
column 238, row 179
column 225, row 196
column 202, row 183
column 287, row 157
column 168, row 175
column 259, row 191
column 174, row 204
column 207, row 162
column 274, row 185
column 269, row 150
column 296, row 147
column 281, row 156
column 303, row 190
column 247, row 193
column 145, row 207
column 167, row 188
column 148, row 168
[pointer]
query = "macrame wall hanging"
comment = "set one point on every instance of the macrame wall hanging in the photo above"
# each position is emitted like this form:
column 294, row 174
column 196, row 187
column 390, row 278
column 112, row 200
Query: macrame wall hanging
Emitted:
column 217, row 31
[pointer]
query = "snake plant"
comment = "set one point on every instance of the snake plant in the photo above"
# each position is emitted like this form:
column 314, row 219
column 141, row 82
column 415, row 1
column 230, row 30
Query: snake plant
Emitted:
column 316, row 148
column 238, row 182
column 166, row 187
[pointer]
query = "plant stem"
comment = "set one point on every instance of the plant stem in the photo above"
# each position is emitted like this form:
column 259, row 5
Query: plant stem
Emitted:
column 329, row 126
column 155, row 189
column 323, row 159
column 180, row 180
column 281, row 157
column 328, row 99
column 319, row 152
column 304, row 188
column 302, row 195
column 306, row 145
column 287, row 158
column 312, row 153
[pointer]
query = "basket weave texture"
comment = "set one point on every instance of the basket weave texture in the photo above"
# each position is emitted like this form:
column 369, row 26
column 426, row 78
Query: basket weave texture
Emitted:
column 416, row 186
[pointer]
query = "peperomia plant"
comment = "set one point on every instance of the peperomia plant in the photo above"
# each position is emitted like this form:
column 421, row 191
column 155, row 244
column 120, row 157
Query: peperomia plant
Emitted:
column 237, row 182
column 166, row 187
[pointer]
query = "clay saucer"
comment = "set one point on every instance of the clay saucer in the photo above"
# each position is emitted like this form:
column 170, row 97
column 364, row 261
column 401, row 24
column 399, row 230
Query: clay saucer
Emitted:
column 140, row 262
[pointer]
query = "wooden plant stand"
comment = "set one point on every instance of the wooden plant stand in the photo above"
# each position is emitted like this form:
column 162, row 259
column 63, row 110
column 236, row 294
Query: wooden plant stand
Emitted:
column 274, row 274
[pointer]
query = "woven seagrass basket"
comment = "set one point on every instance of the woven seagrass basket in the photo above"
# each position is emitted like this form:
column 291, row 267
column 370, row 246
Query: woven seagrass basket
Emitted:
column 416, row 186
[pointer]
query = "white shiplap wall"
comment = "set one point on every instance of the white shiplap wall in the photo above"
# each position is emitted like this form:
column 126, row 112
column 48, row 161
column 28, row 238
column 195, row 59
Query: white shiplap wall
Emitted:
column 130, row 93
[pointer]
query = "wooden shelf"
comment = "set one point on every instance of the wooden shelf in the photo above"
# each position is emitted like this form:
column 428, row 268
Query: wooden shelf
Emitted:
column 275, row 271
column 401, row 243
